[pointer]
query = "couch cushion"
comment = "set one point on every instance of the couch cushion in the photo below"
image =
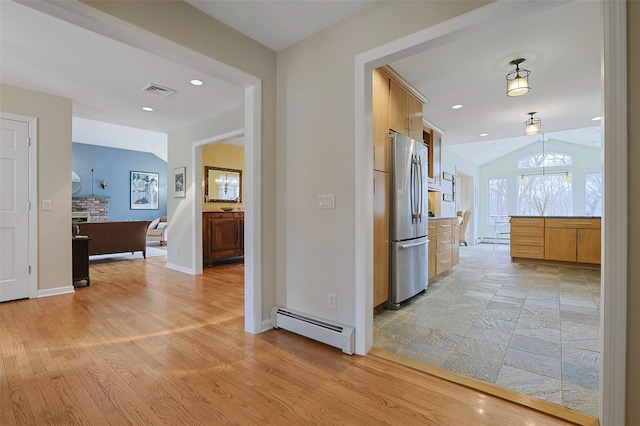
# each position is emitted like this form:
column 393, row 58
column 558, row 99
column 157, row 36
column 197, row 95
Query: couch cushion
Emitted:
column 154, row 223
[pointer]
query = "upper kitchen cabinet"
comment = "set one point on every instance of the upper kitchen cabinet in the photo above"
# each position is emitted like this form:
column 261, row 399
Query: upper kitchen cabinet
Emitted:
column 433, row 140
column 405, row 111
column 396, row 106
column 380, row 112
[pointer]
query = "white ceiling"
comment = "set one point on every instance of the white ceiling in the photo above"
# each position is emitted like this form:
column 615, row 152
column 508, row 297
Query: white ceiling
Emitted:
column 105, row 78
column 562, row 50
column 278, row 24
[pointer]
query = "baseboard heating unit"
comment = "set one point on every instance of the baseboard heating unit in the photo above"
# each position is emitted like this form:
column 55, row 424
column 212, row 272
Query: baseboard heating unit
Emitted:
column 331, row 333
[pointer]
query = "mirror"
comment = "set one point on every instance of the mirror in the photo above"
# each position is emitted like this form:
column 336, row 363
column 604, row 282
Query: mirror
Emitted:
column 76, row 182
column 222, row 185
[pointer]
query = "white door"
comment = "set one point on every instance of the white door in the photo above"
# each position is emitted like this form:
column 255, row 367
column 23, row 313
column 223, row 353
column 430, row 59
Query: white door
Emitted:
column 14, row 210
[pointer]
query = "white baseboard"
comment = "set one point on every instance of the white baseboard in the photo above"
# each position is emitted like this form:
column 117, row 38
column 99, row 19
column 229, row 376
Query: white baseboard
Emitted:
column 266, row 325
column 55, row 291
column 180, row 268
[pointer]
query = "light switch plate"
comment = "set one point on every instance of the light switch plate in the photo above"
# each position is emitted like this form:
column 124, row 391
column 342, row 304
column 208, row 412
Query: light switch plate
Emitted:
column 326, row 201
column 46, row 205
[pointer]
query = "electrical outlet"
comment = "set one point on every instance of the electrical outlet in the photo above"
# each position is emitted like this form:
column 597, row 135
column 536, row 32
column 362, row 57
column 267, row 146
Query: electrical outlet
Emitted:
column 331, row 300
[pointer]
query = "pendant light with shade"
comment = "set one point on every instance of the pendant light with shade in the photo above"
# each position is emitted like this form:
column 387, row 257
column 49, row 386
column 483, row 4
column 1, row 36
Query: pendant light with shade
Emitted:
column 532, row 125
column 518, row 79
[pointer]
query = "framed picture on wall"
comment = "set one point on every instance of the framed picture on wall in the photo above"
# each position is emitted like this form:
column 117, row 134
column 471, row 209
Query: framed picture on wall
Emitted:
column 144, row 190
column 179, row 181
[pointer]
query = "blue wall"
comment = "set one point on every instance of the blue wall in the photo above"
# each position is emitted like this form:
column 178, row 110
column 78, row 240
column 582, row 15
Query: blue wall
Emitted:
column 115, row 166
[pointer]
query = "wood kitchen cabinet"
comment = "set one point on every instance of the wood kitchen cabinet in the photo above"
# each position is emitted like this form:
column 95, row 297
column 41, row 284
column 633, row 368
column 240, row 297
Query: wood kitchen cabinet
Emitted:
column 380, row 237
column 380, row 112
column 80, row 259
column 572, row 240
column 222, row 236
column 568, row 240
column 443, row 245
column 405, row 111
column 432, row 248
column 589, row 246
column 433, row 140
column 455, row 242
column 527, row 238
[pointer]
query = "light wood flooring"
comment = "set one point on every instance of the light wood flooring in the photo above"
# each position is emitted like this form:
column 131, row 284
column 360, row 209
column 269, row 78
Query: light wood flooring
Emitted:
column 147, row 345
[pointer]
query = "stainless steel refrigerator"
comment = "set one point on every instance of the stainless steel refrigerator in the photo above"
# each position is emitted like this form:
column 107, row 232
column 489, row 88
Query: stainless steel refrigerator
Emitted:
column 409, row 219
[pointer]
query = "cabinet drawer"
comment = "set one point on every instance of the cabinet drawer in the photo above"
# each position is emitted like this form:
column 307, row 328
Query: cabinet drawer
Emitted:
column 238, row 214
column 432, row 227
column 573, row 223
column 443, row 262
column 443, row 225
column 221, row 254
column 218, row 215
column 527, row 222
column 526, row 232
column 443, row 242
column 529, row 252
column 527, row 241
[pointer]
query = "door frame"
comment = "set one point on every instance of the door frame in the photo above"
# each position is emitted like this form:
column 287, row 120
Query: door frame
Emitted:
column 92, row 19
column 614, row 224
column 471, row 199
column 32, row 187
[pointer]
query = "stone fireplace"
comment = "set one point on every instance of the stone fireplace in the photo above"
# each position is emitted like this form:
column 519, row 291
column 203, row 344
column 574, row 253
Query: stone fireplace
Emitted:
column 97, row 207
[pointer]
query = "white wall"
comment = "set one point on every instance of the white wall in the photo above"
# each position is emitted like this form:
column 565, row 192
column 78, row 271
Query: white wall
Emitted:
column 189, row 27
column 180, row 210
column 54, row 179
column 316, row 114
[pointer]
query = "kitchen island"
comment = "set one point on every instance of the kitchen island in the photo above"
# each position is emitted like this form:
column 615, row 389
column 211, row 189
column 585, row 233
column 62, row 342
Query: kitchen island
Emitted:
column 558, row 240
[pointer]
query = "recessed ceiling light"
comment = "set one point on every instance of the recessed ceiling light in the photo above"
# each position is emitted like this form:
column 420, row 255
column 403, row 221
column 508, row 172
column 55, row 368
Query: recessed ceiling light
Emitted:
column 596, row 118
column 197, row 82
column 458, row 106
column 149, row 109
column 484, row 134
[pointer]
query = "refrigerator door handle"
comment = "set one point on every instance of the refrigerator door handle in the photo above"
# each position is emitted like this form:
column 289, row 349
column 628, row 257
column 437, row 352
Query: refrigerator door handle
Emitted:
column 420, row 183
column 414, row 244
column 412, row 190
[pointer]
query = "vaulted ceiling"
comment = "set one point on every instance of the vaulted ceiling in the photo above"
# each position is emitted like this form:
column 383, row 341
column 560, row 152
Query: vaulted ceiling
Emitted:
column 105, row 78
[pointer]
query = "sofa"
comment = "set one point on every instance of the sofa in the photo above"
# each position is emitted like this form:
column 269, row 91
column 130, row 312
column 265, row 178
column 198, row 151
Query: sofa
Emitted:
column 116, row 237
column 157, row 230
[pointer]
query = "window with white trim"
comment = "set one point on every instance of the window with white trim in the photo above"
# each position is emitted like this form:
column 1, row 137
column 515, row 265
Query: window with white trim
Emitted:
column 593, row 194
column 497, row 190
column 545, row 195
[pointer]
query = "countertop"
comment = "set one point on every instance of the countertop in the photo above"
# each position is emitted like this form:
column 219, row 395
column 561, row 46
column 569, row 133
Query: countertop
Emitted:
column 558, row 217
column 444, row 218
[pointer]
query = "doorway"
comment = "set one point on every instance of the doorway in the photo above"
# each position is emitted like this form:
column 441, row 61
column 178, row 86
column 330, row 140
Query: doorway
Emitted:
column 18, row 222
column 614, row 328
column 466, row 200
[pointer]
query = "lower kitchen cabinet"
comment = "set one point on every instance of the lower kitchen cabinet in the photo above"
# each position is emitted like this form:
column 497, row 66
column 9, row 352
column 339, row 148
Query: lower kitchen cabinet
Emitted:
column 567, row 240
column 455, row 242
column 443, row 245
column 572, row 240
column 222, row 236
column 432, row 248
column 527, row 238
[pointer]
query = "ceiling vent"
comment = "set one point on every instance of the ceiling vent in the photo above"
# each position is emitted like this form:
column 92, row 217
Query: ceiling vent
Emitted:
column 158, row 90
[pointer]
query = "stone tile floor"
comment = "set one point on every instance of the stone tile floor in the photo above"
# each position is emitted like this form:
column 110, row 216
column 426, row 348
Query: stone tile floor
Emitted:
column 532, row 329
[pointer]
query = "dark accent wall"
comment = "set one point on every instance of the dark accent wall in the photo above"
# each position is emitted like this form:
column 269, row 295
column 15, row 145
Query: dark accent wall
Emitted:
column 115, row 166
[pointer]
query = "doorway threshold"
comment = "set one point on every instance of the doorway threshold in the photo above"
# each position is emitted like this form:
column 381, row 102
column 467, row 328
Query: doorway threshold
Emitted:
column 545, row 407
